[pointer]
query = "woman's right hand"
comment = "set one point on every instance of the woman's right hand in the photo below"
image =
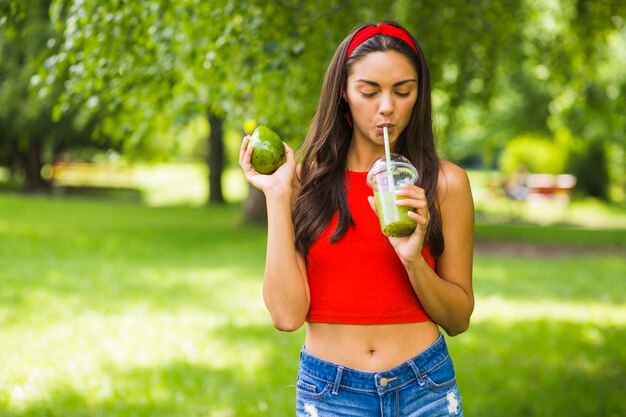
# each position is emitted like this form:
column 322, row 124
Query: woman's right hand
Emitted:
column 279, row 181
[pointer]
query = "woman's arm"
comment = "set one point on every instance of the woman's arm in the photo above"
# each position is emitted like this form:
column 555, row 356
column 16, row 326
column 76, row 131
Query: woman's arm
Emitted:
column 285, row 285
column 446, row 294
column 455, row 265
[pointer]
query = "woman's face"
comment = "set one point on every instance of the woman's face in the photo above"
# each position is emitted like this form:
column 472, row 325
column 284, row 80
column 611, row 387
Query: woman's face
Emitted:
column 381, row 91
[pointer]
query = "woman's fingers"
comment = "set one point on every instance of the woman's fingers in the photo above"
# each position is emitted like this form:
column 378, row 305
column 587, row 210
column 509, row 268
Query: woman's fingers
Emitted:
column 415, row 198
column 416, row 203
column 244, row 159
column 243, row 149
column 422, row 220
column 289, row 156
column 411, row 191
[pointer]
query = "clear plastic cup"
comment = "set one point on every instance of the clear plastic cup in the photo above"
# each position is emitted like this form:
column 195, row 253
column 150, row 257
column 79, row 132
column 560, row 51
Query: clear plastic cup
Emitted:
column 394, row 219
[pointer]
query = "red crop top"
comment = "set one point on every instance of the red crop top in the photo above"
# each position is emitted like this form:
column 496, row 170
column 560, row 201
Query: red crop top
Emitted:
column 360, row 279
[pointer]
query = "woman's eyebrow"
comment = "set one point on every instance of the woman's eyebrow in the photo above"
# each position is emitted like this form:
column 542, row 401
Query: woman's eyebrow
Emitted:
column 396, row 84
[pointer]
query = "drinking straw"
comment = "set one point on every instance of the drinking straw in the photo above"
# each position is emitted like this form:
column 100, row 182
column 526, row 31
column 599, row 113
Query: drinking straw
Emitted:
column 388, row 159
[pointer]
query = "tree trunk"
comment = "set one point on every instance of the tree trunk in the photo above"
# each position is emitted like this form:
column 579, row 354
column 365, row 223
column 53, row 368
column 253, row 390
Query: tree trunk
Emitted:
column 591, row 171
column 216, row 157
column 31, row 165
column 254, row 208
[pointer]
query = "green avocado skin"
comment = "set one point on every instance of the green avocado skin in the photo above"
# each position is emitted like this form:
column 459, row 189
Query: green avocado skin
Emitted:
column 268, row 151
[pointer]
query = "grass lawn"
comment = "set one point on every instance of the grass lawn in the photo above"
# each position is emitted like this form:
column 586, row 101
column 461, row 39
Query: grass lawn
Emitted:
column 114, row 309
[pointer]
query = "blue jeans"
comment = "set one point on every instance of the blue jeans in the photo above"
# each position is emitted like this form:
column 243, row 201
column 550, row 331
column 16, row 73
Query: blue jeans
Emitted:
column 422, row 386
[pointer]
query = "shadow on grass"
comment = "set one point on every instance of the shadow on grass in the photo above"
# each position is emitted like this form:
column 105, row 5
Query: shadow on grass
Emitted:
column 111, row 258
column 184, row 388
column 85, row 256
column 541, row 368
column 536, row 368
column 568, row 235
column 178, row 389
column 595, row 279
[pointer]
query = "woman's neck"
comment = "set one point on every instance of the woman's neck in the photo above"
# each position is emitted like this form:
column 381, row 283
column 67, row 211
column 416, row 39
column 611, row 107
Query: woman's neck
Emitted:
column 361, row 155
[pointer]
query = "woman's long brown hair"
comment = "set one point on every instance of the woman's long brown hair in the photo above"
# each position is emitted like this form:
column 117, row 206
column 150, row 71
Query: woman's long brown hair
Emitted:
column 325, row 148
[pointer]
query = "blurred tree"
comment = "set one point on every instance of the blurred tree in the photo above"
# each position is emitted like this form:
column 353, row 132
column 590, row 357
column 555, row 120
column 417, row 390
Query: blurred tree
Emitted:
column 28, row 135
column 230, row 60
column 467, row 45
column 151, row 62
column 596, row 42
column 499, row 69
column 294, row 42
column 504, row 69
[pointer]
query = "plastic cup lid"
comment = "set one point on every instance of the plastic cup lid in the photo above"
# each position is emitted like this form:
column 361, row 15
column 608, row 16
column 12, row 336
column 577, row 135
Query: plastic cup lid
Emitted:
column 399, row 165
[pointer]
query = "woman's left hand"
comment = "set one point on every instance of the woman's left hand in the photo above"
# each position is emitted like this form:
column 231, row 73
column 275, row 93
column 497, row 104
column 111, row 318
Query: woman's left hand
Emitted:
column 409, row 248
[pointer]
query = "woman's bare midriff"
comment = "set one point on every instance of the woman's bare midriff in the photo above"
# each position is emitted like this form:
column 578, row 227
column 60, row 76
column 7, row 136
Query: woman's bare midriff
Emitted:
column 372, row 347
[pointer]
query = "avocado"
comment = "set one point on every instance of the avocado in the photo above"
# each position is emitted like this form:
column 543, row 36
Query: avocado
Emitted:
column 268, row 151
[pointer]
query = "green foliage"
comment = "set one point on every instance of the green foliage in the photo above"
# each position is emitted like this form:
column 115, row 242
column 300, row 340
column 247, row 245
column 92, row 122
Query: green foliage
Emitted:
column 502, row 70
column 533, row 153
column 150, row 67
column 175, row 60
column 468, row 46
column 123, row 310
column 29, row 137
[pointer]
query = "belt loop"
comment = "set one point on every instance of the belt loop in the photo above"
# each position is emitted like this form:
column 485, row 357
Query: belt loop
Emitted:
column 417, row 372
column 337, row 380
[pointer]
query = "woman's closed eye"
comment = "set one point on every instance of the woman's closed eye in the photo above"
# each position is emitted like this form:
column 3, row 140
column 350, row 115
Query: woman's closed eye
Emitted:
column 370, row 94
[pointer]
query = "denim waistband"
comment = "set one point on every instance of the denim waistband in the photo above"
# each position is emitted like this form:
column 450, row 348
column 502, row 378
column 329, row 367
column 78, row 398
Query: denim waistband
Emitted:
column 382, row 381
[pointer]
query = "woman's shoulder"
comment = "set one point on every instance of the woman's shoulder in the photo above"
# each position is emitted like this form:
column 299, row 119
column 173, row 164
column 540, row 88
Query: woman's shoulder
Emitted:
column 452, row 180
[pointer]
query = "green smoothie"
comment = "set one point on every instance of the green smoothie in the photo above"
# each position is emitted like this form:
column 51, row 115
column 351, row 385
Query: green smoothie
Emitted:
column 394, row 220
column 386, row 175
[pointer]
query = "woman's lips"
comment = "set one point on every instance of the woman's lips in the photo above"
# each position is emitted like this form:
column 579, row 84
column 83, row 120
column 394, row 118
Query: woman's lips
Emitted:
column 379, row 129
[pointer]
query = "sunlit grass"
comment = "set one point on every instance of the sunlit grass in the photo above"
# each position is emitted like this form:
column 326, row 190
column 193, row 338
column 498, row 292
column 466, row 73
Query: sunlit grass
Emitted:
column 546, row 337
column 186, row 184
column 492, row 206
column 130, row 310
column 114, row 309
column 513, row 290
column 503, row 310
column 167, row 184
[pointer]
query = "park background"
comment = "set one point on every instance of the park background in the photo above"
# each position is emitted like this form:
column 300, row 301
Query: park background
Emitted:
column 132, row 250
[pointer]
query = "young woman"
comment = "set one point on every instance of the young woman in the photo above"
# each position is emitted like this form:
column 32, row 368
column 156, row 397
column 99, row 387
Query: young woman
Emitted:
column 372, row 305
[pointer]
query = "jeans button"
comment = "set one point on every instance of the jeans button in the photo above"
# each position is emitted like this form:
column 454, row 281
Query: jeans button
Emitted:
column 383, row 382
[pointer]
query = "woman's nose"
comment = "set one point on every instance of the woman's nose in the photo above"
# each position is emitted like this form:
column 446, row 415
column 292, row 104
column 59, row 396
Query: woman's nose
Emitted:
column 386, row 105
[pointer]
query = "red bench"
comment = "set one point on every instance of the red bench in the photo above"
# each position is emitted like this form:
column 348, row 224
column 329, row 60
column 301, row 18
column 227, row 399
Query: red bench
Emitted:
column 547, row 186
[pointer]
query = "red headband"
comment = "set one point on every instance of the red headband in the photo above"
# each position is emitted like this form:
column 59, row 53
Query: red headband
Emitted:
column 381, row 29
